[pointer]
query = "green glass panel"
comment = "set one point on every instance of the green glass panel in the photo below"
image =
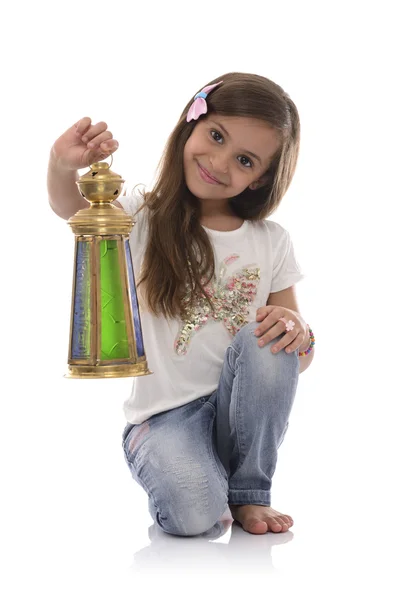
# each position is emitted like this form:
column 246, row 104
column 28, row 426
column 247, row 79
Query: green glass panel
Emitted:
column 114, row 339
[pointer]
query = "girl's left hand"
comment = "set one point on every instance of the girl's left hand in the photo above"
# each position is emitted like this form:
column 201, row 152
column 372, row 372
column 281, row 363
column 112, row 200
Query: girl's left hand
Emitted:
column 270, row 328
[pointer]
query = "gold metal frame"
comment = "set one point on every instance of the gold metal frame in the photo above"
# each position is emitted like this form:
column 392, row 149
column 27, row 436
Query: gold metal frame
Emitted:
column 94, row 224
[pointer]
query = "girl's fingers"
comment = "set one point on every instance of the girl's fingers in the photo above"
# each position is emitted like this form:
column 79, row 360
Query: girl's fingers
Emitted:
column 90, row 133
column 103, row 150
column 289, row 346
column 268, row 331
column 100, row 139
column 96, row 137
column 271, row 334
column 82, row 125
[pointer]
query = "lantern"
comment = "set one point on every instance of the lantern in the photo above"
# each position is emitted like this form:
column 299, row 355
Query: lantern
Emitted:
column 105, row 332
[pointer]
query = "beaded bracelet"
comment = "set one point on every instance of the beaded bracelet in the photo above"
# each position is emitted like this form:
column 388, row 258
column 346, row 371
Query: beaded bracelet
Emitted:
column 312, row 343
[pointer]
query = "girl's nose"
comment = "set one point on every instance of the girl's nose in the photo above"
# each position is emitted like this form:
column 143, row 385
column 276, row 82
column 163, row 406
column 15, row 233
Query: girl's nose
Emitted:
column 219, row 163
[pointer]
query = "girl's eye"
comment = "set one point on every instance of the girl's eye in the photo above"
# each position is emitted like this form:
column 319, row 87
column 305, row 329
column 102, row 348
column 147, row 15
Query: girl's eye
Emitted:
column 218, row 137
column 248, row 160
column 218, row 134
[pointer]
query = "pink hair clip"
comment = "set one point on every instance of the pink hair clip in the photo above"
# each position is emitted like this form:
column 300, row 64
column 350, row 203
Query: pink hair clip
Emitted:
column 199, row 106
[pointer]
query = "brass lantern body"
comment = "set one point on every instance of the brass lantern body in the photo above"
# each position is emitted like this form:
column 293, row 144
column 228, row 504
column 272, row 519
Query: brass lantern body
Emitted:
column 105, row 333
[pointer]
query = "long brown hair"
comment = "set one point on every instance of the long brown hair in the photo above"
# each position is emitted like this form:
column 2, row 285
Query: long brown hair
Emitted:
column 179, row 258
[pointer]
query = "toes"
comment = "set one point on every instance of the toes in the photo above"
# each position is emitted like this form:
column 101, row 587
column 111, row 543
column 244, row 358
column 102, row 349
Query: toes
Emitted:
column 274, row 525
column 255, row 526
column 285, row 521
column 264, row 522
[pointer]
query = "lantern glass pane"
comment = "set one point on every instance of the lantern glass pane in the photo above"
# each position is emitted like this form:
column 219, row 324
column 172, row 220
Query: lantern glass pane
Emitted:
column 81, row 328
column 114, row 339
column 135, row 307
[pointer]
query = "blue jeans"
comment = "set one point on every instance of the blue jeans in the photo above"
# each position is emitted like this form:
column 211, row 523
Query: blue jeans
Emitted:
column 195, row 460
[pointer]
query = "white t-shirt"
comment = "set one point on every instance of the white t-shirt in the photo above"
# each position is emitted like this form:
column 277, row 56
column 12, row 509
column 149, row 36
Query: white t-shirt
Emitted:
column 187, row 358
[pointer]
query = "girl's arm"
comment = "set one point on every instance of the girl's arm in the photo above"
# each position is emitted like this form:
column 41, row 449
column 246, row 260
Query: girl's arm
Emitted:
column 64, row 196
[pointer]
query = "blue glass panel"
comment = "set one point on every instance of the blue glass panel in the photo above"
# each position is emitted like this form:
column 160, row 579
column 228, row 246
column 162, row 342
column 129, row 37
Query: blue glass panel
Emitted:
column 81, row 328
column 135, row 307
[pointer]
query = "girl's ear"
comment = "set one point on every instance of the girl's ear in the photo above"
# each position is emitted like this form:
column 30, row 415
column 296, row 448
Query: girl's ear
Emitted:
column 259, row 183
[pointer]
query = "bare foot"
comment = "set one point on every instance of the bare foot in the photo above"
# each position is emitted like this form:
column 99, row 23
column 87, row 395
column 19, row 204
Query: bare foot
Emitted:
column 260, row 519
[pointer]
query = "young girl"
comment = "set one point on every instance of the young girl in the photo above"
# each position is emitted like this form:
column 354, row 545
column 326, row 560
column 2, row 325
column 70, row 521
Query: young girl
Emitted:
column 222, row 330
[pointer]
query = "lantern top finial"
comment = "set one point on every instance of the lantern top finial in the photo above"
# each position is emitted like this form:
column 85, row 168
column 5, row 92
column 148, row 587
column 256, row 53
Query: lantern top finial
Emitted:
column 100, row 184
column 100, row 187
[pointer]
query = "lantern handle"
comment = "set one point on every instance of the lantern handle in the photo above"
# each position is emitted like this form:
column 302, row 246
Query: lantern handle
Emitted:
column 109, row 166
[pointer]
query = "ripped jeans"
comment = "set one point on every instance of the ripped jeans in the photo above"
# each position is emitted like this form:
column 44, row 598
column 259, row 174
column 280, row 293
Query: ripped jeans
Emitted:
column 195, row 460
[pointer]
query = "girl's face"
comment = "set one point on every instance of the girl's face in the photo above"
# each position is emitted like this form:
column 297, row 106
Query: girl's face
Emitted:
column 225, row 155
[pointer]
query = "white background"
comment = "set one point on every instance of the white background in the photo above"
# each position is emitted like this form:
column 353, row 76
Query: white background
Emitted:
column 73, row 522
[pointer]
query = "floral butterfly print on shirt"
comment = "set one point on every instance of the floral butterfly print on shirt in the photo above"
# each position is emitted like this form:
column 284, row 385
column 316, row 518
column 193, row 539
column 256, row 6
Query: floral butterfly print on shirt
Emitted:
column 231, row 297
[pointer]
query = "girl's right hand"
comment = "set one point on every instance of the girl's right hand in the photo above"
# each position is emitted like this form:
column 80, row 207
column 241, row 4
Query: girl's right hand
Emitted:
column 71, row 151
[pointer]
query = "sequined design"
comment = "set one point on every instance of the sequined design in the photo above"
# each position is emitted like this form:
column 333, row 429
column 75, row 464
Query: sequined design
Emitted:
column 231, row 297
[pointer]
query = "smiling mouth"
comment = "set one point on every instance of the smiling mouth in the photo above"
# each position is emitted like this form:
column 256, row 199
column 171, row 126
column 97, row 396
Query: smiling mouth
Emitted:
column 205, row 175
